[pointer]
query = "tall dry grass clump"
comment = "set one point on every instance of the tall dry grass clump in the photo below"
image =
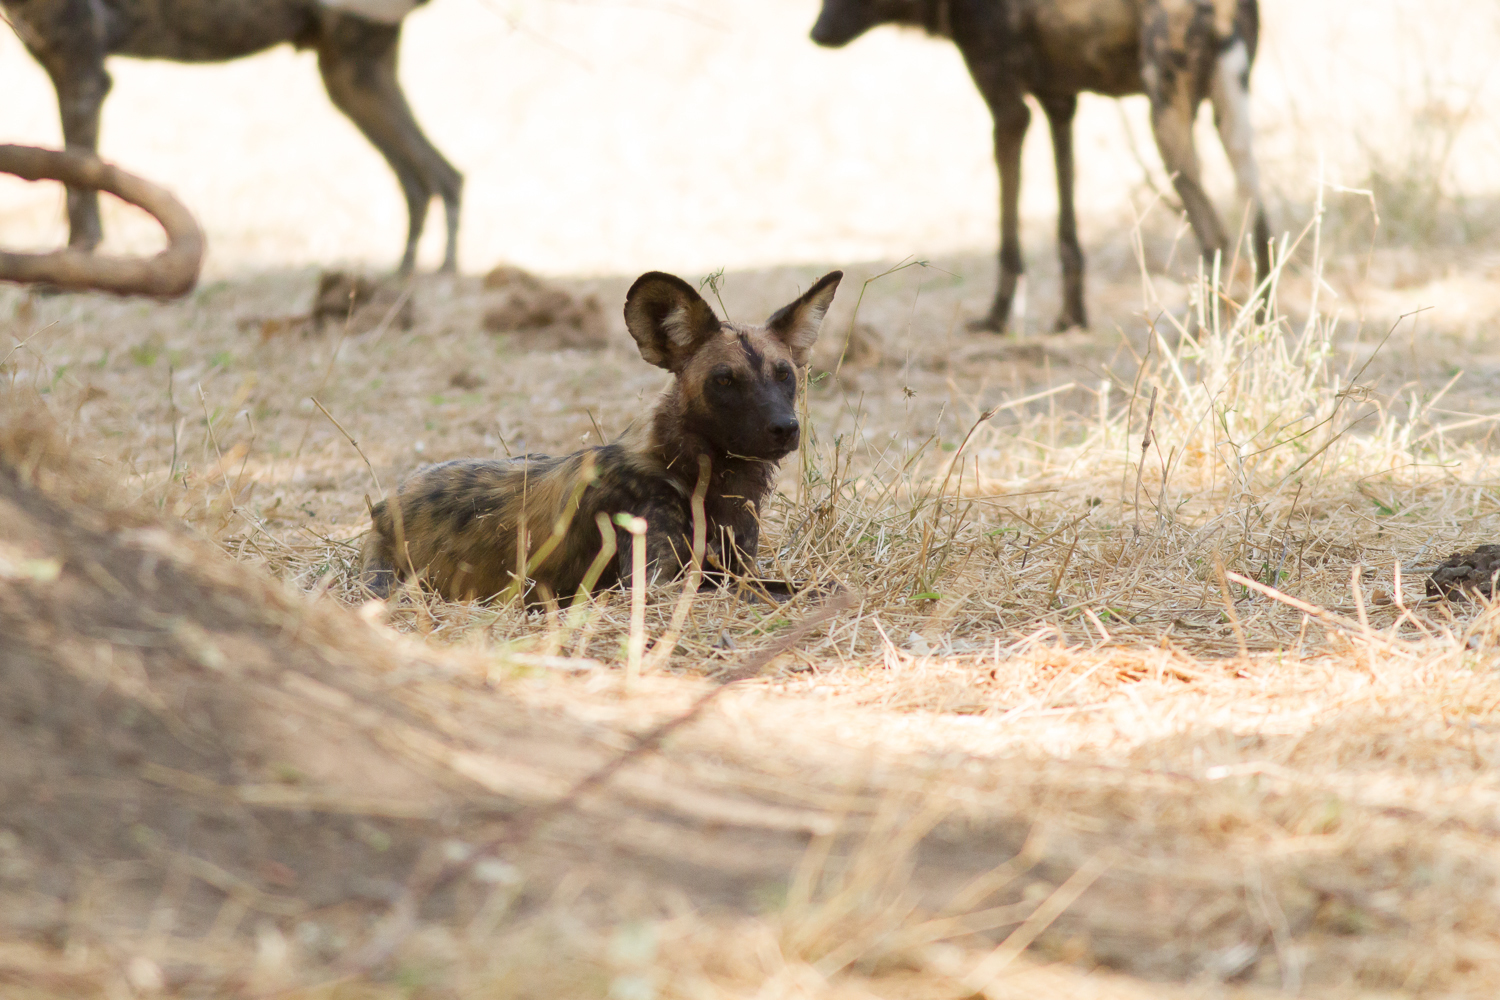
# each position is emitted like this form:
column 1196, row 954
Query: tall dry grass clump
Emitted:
column 1246, row 440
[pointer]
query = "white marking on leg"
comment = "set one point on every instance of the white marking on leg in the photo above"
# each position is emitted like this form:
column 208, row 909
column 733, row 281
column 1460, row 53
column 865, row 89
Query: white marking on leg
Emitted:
column 384, row 11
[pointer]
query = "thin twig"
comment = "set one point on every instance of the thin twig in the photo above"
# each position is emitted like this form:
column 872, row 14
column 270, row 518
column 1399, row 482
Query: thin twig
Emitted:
column 1141, row 468
column 348, row 437
column 1322, row 614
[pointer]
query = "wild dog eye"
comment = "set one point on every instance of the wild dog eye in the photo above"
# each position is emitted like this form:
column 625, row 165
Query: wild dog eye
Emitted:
column 723, row 380
column 783, row 372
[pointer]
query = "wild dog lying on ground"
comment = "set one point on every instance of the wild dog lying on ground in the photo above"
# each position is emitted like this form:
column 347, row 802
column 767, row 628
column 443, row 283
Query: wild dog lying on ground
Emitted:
column 1176, row 52
column 472, row 528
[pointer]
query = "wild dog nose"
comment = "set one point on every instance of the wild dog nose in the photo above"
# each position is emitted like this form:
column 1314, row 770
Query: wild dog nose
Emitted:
column 784, row 430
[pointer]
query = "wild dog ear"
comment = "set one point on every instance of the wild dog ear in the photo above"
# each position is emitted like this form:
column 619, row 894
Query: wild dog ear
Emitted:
column 797, row 324
column 668, row 319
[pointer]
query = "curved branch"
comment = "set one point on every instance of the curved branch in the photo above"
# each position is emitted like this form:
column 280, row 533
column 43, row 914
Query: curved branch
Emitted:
column 169, row 274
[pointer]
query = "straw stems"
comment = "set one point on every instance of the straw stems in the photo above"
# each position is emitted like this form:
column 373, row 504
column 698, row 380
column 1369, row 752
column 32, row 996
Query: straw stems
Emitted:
column 1322, row 614
column 1229, row 611
column 983, row 975
column 1140, row 469
column 636, row 644
column 668, row 641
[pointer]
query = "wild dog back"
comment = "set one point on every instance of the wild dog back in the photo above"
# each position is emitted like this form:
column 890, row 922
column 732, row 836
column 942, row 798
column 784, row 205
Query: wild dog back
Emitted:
column 470, row 528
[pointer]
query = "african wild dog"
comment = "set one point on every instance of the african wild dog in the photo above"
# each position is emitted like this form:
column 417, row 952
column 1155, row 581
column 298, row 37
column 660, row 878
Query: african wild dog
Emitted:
column 469, row 528
column 1177, row 52
column 356, row 42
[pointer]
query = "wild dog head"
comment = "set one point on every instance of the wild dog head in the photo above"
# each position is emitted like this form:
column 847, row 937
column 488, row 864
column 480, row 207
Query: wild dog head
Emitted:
column 842, row 21
column 736, row 383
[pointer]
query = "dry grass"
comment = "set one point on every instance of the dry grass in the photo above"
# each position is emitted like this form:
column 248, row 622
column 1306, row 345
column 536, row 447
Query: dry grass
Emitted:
column 1270, row 455
column 1105, row 720
column 1068, row 659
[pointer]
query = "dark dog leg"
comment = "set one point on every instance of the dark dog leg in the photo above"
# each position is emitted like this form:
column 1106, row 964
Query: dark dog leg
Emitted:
column 358, row 61
column 73, row 57
column 1060, row 111
column 1011, row 119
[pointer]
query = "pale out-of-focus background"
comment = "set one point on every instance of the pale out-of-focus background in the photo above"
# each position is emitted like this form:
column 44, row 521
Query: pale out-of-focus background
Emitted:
column 608, row 136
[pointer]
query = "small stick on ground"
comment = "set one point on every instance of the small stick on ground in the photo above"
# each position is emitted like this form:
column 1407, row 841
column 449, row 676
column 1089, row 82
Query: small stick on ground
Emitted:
column 597, row 429
column 176, row 431
column 1355, row 572
column 1322, row 614
column 662, row 651
column 208, row 421
column 1061, row 571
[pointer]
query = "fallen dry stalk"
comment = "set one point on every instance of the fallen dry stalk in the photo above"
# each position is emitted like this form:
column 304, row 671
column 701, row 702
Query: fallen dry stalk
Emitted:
column 636, row 644
column 1322, row 614
column 1233, row 615
column 269, row 796
column 662, row 650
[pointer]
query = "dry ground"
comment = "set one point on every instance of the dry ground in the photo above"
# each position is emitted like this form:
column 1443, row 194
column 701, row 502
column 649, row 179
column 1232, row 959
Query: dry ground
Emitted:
column 214, row 783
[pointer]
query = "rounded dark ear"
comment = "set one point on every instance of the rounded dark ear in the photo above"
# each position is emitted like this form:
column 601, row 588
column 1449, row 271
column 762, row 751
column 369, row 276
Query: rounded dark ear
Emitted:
column 797, row 323
column 668, row 319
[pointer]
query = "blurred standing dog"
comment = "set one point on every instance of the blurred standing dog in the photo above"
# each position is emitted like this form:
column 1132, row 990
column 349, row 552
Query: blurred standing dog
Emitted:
column 1176, row 52
column 356, row 42
column 471, row 528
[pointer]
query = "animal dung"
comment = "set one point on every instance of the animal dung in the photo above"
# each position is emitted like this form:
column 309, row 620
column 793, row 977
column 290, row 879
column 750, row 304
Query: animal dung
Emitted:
column 271, row 327
column 1464, row 575
column 503, row 276
column 363, row 303
column 521, row 303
